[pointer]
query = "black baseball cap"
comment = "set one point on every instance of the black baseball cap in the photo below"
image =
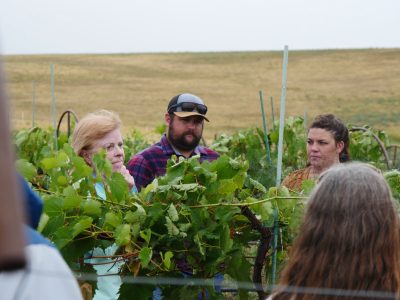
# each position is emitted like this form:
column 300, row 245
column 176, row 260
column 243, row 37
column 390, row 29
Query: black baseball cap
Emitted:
column 186, row 105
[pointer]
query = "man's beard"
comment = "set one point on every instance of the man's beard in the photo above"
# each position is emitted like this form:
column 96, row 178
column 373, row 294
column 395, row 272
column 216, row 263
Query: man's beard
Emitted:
column 180, row 142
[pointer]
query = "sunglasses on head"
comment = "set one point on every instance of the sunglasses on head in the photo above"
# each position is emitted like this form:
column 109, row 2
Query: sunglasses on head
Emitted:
column 189, row 106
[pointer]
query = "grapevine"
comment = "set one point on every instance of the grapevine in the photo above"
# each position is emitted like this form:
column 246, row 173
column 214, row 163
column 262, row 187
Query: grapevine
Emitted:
column 198, row 218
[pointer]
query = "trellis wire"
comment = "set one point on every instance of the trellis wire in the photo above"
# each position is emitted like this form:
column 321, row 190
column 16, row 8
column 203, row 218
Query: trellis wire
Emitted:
column 226, row 285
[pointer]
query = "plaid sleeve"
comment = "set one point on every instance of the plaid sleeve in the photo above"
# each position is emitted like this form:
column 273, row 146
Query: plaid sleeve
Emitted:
column 141, row 171
column 208, row 154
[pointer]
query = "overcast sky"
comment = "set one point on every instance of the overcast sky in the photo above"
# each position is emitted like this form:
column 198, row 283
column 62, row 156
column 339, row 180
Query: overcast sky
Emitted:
column 125, row 26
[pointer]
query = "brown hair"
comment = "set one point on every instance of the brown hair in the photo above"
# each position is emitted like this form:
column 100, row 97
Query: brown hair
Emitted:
column 340, row 132
column 349, row 238
column 92, row 127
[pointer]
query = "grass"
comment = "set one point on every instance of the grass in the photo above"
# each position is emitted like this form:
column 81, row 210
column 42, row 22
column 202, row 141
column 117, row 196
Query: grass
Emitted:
column 360, row 86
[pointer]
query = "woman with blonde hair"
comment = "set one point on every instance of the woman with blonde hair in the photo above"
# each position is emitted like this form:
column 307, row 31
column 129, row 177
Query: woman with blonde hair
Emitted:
column 101, row 130
column 349, row 243
column 95, row 131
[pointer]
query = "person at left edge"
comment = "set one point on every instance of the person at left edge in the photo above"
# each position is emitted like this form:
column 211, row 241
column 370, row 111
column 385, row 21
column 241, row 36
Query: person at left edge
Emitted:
column 185, row 123
column 46, row 276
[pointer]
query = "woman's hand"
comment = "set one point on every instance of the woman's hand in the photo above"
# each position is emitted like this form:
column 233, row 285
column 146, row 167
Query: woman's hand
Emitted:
column 128, row 177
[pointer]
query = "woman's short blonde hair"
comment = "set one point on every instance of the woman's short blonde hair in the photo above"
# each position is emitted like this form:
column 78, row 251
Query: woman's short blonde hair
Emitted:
column 92, row 127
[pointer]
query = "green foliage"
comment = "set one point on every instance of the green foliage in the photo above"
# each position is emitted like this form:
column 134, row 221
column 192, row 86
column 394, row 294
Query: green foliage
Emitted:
column 191, row 216
column 250, row 145
column 133, row 143
column 36, row 144
column 294, row 154
column 393, row 179
column 161, row 128
column 26, row 169
column 364, row 146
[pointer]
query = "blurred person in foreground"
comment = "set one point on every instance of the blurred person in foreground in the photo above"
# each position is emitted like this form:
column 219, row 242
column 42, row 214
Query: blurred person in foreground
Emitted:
column 185, row 121
column 327, row 145
column 348, row 245
column 95, row 131
column 46, row 275
column 30, row 267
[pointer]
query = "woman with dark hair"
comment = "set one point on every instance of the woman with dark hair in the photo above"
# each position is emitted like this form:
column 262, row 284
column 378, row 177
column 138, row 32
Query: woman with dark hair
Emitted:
column 349, row 241
column 327, row 145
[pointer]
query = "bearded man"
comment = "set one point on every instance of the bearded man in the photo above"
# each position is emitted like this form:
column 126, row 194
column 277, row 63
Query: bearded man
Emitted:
column 185, row 121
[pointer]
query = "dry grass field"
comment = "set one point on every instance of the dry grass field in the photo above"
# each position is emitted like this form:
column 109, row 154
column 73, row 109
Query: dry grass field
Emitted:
column 360, row 86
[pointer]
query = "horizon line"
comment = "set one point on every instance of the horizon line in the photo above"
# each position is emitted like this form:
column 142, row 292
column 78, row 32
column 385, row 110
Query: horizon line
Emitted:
column 197, row 52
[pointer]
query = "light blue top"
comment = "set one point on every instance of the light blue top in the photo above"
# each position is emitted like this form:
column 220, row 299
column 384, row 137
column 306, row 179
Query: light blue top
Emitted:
column 107, row 286
column 101, row 193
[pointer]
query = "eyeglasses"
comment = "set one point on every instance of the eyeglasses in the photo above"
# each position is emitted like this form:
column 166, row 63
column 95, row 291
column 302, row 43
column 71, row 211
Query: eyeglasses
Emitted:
column 189, row 106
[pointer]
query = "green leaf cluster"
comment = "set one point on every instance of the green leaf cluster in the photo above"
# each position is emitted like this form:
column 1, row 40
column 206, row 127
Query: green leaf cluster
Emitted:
column 190, row 219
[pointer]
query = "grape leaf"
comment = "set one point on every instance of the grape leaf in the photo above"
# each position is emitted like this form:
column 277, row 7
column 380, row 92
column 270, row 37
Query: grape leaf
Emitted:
column 72, row 199
column 81, row 224
column 122, row 234
column 139, row 215
column 166, row 258
column 118, row 187
column 25, row 168
column 172, row 229
column 145, row 256
column 113, row 219
column 53, row 205
column 92, row 207
column 173, row 213
column 226, row 242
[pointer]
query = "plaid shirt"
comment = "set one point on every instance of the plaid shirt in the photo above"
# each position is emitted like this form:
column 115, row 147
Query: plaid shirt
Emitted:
column 151, row 162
